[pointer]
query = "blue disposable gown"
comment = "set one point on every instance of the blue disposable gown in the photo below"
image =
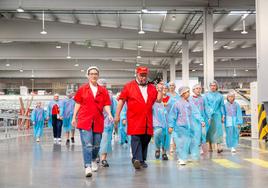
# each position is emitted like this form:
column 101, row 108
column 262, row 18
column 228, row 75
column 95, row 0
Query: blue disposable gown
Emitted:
column 68, row 111
column 38, row 117
column 197, row 132
column 161, row 135
column 49, row 110
column 180, row 118
column 233, row 118
column 107, row 135
column 171, row 101
column 214, row 108
column 198, row 102
column 123, row 137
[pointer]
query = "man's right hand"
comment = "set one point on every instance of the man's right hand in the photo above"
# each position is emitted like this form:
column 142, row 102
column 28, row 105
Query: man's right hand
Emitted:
column 116, row 120
column 124, row 122
column 170, row 130
column 74, row 123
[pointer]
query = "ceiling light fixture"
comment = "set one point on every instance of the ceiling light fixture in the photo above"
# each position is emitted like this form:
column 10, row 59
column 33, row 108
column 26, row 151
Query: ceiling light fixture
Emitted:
column 76, row 65
column 68, row 52
column 173, row 17
column 43, row 32
column 234, row 73
column 141, row 32
column 58, row 46
column 193, row 70
column 20, row 9
column 8, row 65
column 246, row 70
column 21, row 70
column 244, row 32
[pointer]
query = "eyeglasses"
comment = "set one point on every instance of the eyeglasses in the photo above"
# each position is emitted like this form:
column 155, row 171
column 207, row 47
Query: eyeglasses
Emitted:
column 93, row 74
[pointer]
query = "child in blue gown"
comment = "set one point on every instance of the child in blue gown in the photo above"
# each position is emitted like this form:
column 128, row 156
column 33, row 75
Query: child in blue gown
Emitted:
column 233, row 122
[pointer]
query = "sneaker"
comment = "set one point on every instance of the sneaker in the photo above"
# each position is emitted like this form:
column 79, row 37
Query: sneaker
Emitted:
column 88, row 172
column 181, row 162
column 55, row 140
column 72, row 139
column 67, row 142
column 164, row 157
column 98, row 159
column 104, row 163
column 233, row 150
column 38, row 140
column 137, row 164
column 157, row 154
column 95, row 166
column 144, row 164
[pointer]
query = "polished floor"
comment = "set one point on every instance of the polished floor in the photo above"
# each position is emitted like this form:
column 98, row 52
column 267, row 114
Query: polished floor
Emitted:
column 25, row 163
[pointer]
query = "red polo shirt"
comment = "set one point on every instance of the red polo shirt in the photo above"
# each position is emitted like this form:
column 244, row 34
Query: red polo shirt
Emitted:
column 139, row 112
column 90, row 112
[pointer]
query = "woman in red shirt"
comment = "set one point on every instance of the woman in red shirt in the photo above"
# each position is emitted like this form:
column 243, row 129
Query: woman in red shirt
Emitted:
column 90, row 100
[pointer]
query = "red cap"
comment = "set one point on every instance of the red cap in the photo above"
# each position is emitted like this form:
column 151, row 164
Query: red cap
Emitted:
column 142, row 70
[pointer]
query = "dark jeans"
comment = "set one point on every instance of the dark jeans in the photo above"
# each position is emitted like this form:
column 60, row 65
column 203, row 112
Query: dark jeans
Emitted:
column 57, row 125
column 139, row 146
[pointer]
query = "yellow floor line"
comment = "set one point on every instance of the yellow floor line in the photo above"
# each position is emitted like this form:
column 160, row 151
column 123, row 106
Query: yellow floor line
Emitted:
column 226, row 163
column 258, row 162
column 254, row 148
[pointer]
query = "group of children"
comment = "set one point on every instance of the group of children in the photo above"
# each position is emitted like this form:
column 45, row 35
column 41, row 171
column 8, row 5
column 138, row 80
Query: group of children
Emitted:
column 181, row 121
column 192, row 121
column 59, row 114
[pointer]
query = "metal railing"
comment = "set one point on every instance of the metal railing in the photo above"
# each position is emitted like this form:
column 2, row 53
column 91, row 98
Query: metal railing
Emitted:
column 9, row 126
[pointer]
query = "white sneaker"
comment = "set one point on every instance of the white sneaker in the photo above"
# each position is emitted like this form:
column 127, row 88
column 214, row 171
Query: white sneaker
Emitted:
column 95, row 166
column 88, row 172
column 55, row 140
column 181, row 162
column 233, row 150
column 59, row 140
column 38, row 140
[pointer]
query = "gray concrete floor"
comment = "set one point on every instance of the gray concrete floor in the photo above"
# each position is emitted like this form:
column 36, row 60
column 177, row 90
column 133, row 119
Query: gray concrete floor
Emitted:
column 24, row 163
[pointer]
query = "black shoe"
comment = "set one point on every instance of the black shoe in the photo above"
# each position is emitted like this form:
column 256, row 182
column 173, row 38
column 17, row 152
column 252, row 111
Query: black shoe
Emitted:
column 67, row 142
column 164, row 157
column 144, row 164
column 137, row 164
column 157, row 154
column 98, row 159
column 104, row 163
column 72, row 139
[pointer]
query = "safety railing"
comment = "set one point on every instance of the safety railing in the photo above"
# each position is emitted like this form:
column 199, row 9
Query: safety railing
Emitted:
column 9, row 126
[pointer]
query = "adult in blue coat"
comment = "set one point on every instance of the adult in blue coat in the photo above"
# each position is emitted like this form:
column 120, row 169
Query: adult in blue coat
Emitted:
column 214, row 107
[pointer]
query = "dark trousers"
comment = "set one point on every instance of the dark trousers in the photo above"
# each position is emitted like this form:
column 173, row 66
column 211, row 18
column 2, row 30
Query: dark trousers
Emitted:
column 57, row 125
column 139, row 146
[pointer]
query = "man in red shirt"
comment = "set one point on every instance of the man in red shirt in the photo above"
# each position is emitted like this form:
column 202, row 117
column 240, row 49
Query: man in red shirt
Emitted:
column 140, row 97
column 90, row 100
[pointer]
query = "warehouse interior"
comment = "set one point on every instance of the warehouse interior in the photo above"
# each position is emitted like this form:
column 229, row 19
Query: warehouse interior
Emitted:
column 47, row 46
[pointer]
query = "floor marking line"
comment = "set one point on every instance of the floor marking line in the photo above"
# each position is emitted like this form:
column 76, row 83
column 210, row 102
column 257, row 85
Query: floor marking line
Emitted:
column 227, row 163
column 258, row 162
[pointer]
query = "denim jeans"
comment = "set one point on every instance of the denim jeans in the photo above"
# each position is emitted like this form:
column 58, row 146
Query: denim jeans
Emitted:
column 90, row 145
